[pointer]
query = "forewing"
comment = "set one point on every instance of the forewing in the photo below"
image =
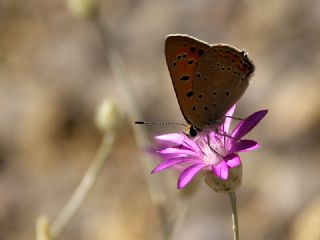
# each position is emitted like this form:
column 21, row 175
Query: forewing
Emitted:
column 182, row 55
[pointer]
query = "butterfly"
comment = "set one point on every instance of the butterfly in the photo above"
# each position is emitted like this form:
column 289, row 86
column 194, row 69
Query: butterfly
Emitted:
column 208, row 79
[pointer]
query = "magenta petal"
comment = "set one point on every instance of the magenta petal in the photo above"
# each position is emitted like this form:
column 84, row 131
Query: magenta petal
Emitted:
column 175, row 156
column 171, row 157
column 189, row 173
column 177, row 151
column 244, row 146
column 221, row 170
column 171, row 137
column 247, row 124
column 177, row 139
column 170, row 162
column 228, row 120
column 232, row 160
column 167, row 140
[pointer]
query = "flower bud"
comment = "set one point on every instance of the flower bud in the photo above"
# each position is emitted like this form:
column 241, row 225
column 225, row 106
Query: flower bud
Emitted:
column 84, row 8
column 42, row 228
column 108, row 116
column 230, row 185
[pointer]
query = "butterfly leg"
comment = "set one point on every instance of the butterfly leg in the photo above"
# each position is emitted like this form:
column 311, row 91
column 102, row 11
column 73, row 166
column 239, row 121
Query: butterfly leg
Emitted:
column 211, row 148
column 225, row 135
column 235, row 118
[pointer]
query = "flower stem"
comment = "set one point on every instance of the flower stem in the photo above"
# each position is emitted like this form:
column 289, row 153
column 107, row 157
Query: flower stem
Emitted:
column 233, row 201
column 84, row 187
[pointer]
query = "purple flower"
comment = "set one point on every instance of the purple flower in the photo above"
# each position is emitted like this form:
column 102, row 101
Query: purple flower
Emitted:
column 215, row 152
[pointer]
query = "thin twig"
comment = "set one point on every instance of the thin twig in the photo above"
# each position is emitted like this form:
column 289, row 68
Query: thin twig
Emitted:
column 155, row 187
column 82, row 191
column 232, row 196
column 179, row 215
column 120, row 74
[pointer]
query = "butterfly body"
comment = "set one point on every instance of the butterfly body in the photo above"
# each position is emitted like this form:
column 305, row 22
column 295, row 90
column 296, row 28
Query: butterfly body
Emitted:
column 208, row 79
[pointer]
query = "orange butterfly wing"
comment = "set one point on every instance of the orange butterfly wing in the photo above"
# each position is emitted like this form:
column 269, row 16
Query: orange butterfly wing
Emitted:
column 182, row 55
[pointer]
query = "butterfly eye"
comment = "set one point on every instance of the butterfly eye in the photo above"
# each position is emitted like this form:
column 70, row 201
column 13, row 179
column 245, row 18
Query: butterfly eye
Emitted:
column 193, row 132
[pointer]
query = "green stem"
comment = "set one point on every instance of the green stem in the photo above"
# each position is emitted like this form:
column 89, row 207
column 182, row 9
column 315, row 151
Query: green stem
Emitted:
column 233, row 201
column 84, row 187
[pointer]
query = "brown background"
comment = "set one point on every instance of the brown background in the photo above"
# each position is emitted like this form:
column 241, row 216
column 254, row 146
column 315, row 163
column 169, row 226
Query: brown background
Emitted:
column 53, row 74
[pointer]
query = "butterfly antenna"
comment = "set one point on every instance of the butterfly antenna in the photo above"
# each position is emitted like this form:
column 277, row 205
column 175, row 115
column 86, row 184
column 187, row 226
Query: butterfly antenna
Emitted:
column 160, row 123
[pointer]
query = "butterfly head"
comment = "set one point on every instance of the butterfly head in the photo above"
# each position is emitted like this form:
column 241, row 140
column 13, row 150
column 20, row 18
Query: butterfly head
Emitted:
column 191, row 131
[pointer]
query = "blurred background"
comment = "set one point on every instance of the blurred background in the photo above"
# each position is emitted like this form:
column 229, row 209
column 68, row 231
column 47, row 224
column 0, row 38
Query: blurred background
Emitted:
column 54, row 73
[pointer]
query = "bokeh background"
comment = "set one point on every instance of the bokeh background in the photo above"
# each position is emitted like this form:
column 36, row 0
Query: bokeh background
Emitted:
column 54, row 73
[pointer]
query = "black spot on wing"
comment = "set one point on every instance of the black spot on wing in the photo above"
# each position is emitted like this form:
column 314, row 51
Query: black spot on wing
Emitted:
column 200, row 52
column 185, row 78
column 190, row 94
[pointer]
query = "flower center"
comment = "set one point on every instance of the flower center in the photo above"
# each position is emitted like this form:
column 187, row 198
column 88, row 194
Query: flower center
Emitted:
column 213, row 154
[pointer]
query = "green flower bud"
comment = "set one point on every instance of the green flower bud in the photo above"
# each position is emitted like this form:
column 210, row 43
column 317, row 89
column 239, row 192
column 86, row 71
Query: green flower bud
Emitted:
column 230, row 185
column 108, row 116
column 84, row 8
